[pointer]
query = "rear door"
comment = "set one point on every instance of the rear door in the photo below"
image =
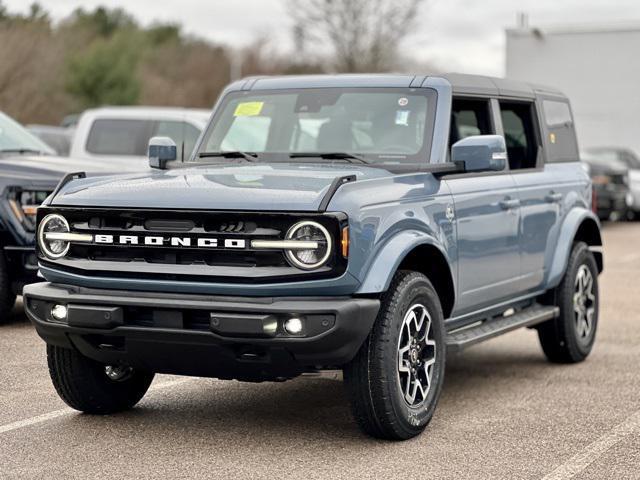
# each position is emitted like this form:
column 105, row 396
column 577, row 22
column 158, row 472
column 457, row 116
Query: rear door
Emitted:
column 487, row 216
column 542, row 188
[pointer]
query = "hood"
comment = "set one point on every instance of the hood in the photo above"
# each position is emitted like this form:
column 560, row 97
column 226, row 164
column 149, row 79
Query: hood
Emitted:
column 266, row 187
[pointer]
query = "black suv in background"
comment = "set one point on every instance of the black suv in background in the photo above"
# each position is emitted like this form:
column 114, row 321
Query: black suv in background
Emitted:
column 623, row 158
column 609, row 174
column 29, row 172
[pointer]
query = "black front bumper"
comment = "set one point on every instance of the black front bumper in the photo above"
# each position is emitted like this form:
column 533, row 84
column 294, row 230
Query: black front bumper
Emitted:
column 222, row 337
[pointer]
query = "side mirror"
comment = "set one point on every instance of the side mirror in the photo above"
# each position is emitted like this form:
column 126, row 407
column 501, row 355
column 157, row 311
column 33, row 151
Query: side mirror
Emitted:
column 480, row 153
column 161, row 150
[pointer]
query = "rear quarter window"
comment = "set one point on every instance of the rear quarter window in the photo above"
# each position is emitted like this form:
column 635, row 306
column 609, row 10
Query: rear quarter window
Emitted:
column 562, row 145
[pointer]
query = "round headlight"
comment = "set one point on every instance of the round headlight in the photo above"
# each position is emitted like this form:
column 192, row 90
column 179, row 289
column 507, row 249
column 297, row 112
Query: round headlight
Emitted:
column 311, row 232
column 53, row 223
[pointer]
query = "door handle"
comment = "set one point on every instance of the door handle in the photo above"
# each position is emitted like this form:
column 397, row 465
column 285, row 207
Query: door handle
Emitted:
column 509, row 203
column 554, row 197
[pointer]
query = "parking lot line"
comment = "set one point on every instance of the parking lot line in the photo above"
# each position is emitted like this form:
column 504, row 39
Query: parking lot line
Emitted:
column 27, row 422
column 593, row 451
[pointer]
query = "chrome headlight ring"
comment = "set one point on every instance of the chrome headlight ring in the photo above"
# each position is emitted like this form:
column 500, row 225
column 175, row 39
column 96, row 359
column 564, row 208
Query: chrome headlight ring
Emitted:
column 316, row 257
column 62, row 226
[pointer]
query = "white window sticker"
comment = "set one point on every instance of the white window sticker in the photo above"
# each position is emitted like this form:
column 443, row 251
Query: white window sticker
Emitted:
column 402, row 117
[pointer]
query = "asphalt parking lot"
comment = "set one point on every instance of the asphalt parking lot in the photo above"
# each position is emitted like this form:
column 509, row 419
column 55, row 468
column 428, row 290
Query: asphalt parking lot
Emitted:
column 505, row 413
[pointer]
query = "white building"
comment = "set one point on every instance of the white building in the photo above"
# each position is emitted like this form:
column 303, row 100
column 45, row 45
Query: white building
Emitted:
column 597, row 67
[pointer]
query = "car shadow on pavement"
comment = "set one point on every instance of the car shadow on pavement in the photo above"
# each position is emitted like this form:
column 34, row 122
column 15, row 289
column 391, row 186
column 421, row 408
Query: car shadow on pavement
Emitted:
column 307, row 409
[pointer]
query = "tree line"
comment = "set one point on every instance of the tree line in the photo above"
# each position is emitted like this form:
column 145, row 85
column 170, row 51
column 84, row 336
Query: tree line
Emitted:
column 105, row 57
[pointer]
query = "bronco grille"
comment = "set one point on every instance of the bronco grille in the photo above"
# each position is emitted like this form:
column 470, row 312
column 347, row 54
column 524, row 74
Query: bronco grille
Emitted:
column 194, row 245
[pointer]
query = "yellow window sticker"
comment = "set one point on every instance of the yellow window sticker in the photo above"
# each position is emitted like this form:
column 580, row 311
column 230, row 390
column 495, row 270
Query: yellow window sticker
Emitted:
column 248, row 109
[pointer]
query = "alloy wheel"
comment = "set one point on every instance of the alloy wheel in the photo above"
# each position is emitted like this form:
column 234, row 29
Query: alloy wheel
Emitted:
column 584, row 302
column 416, row 355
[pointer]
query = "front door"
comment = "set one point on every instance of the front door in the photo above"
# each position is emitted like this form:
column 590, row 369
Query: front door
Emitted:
column 487, row 217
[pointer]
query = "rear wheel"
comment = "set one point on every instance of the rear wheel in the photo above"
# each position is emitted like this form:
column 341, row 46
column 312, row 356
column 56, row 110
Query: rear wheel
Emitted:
column 570, row 337
column 395, row 380
column 7, row 297
column 92, row 387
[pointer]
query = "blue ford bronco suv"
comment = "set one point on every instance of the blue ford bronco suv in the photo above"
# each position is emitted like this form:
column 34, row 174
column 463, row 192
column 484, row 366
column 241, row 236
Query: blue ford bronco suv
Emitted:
column 363, row 223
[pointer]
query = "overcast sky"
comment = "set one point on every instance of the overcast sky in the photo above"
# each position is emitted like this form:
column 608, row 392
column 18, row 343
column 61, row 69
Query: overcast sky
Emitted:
column 454, row 35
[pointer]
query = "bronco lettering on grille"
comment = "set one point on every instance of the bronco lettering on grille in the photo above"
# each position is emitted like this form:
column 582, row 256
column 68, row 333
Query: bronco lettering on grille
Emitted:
column 172, row 241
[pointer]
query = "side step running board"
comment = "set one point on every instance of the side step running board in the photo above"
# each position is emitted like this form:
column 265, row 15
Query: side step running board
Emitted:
column 465, row 337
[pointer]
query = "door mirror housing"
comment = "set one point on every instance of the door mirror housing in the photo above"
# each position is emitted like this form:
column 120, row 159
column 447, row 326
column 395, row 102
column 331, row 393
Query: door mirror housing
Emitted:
column 161, row 151
column 480, row 153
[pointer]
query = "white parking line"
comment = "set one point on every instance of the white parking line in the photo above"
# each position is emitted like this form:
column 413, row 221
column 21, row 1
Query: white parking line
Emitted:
column 593, row 451
column 35, row 420
column 27, row 422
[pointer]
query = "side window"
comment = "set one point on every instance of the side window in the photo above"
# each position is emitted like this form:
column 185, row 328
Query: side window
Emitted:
column 469, row 117
column 520, row 134
column 563, row 146
column 179, row 132
column 116, row 136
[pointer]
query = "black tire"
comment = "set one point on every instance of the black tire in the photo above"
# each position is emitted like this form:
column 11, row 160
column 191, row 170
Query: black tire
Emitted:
column 562, row 340
column 372, row 378
column 83, row 384
column 7, row 297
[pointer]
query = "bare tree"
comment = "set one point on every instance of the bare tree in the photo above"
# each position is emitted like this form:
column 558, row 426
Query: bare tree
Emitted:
column 364, row 35
column 31, row 64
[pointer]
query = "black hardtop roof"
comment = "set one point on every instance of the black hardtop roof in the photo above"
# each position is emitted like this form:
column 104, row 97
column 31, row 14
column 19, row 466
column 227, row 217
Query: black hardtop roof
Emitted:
column 461, row 83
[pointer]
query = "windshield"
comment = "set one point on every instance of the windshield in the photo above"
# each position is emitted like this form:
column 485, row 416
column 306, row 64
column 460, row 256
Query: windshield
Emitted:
column 377, row 125
column 14, row 138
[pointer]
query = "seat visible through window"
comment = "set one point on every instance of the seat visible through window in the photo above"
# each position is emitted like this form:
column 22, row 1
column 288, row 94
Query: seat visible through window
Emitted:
column 469, row 117
column 520, row 134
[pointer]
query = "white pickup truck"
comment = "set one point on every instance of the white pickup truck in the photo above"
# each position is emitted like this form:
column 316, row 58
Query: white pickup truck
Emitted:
column 120, row 134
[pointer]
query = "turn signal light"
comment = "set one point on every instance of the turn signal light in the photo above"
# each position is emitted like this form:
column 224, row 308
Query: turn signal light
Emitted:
column 344, row 242
column 30, row 210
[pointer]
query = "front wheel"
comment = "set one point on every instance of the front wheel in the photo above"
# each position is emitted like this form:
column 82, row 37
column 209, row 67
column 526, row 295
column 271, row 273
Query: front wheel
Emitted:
column 395, row 380
column 570, row 337
column 92, row 387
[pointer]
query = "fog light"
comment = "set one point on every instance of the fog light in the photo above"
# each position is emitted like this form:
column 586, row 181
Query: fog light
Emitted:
column 59, row 312
column 293, row 326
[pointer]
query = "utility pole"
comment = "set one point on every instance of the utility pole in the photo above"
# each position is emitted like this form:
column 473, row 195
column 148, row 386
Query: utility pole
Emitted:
column 522, row 20
column 235, row 65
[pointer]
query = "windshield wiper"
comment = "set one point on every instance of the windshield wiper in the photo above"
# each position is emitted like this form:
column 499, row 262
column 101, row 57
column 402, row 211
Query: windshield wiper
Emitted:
column 349, row 157
column 20, row 150
column 248, row 156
